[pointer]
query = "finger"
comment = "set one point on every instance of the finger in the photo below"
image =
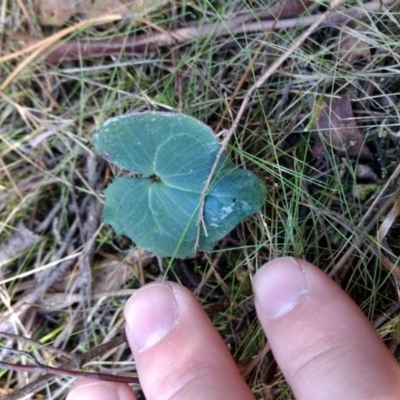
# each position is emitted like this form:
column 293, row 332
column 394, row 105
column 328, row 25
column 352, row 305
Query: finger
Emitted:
column 88, row 389
column 178, row 352
column 323, row 343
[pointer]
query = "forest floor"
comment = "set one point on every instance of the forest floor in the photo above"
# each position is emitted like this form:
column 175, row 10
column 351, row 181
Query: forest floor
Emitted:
column 316, row 114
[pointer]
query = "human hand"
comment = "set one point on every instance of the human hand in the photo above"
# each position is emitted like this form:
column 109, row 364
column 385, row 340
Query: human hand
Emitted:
column 324, row 345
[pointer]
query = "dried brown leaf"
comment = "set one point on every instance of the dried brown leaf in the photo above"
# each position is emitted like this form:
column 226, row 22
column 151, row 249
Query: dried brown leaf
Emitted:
column 56, row 12
column 112, row 275
column 287, row 8
column 389, row 221
column 337, row 127
column 366, row 173
column 21, row 240
column 351, row 50
column 108, row 275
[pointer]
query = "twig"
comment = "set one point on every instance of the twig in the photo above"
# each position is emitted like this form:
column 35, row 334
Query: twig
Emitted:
column 74, row 50
column 386, row 315
column 70, row 369
column 362, row 237
column 23, row 305
column 93, row 214
column 377, row 214
column 239, row 85
column 249, row 67
column 259, row 82
column 42, row 268
column 30, row 341
column 44, row 281
column 49, row 218
column 287, row 10
column 67, row 372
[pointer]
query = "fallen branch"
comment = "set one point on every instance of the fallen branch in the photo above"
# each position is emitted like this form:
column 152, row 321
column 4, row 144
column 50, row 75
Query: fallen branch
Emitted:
column 70, row 368
column 67, row 372
column 143, row 44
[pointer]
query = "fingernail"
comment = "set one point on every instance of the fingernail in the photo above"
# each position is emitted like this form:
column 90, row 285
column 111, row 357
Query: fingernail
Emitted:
column 98, row 390
column 278, row 286
column 150, row 314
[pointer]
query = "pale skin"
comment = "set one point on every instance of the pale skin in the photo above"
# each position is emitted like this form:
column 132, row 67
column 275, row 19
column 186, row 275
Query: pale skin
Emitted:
column 324, row 345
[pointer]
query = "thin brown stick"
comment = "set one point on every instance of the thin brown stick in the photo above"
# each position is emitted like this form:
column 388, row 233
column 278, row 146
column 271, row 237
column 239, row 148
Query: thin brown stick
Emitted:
column 44, row 281
column 376, row 215
column 240, row 84
column 259, row 82
column 247, row 71
column 26, row 340
column 140, row 44
column 67, row 372
column 76, row 361
column 361, row 236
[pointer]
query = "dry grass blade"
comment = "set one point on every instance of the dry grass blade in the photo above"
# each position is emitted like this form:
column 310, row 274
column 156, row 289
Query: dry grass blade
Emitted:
column 259, row 82
column 39, row 48
column 364, row 221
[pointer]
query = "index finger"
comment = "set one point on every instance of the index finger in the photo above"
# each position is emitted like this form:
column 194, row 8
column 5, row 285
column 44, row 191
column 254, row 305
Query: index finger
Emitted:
column 324, row 345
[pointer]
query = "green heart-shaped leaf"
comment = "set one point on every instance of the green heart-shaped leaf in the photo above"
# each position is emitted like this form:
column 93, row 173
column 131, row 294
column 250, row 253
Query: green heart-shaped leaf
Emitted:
column 173, row 155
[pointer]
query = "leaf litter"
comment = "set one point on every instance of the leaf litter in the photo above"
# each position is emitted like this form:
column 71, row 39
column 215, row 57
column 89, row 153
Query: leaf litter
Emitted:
column 338, row 128
column 56, row 12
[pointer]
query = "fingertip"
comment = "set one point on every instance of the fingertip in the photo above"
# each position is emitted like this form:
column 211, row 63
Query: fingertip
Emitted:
column 278, row 286
column 324, row 345
column 177, row 350
column 89, row 389
column 150, row 314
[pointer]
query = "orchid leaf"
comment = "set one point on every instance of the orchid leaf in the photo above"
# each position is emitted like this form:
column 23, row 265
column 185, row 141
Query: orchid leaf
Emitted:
column 172, row 156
